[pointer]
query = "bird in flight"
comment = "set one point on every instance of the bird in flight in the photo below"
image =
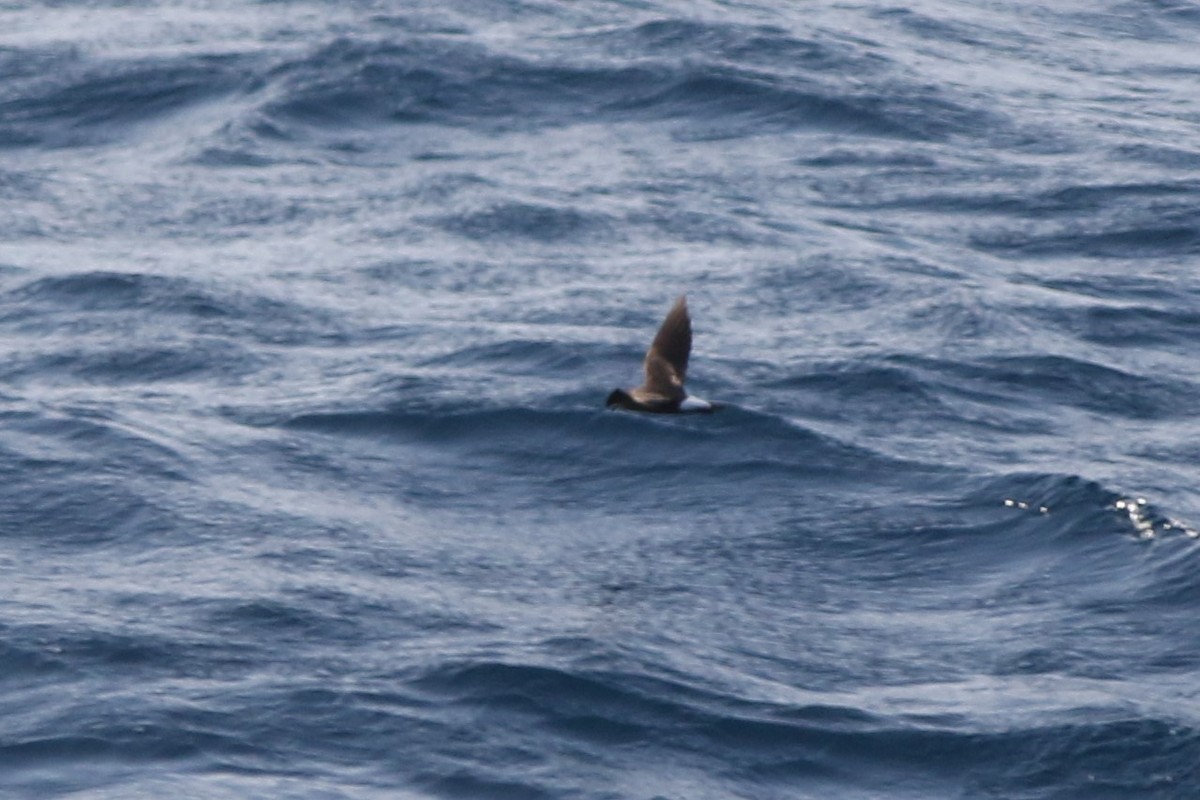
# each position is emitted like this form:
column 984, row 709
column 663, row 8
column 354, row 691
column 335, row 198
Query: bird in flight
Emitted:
column 666, row 365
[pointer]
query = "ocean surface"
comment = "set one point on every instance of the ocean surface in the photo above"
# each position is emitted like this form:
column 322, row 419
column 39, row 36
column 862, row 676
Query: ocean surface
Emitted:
column 308, row 312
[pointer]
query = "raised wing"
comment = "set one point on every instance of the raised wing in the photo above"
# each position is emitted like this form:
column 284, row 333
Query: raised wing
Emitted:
column 667, row 360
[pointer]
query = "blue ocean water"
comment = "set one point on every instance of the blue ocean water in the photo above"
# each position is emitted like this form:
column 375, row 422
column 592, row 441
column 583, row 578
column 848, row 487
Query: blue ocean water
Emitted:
column 309, row 311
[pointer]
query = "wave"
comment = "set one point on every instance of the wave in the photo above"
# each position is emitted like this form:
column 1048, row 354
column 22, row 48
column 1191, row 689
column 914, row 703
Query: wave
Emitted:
column 903, row 191
column 1010, row 383
column 1062, row 380
column 704, row 80
column 533, row 221
column 120, row 291
column 532, row 357
column 664, row 442
column 584, row 457
column 76, row 480
column 73, row 101
column 1160, row 238
column 93, row 300
column 734, row 43
column 482, row 727
column 779, row 743
column 194, row 358
column 402, row 83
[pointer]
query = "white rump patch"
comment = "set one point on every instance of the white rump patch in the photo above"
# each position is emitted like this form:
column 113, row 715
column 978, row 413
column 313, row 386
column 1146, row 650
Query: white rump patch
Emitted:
column 694, row 404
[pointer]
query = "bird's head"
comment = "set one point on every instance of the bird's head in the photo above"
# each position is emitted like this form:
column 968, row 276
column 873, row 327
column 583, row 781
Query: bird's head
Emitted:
column 619, row 398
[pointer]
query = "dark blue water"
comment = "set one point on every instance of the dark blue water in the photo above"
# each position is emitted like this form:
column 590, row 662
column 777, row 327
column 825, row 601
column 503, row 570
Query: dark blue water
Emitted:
column 308, row 314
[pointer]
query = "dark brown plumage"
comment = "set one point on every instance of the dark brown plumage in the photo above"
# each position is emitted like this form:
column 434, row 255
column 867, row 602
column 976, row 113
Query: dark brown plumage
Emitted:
column 666, row 368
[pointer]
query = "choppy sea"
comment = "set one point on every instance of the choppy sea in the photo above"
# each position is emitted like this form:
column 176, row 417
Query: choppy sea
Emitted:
column 307, row 316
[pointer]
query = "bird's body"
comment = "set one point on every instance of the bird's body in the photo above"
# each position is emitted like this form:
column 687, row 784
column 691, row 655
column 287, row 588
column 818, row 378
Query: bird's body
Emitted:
column 665, row 366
